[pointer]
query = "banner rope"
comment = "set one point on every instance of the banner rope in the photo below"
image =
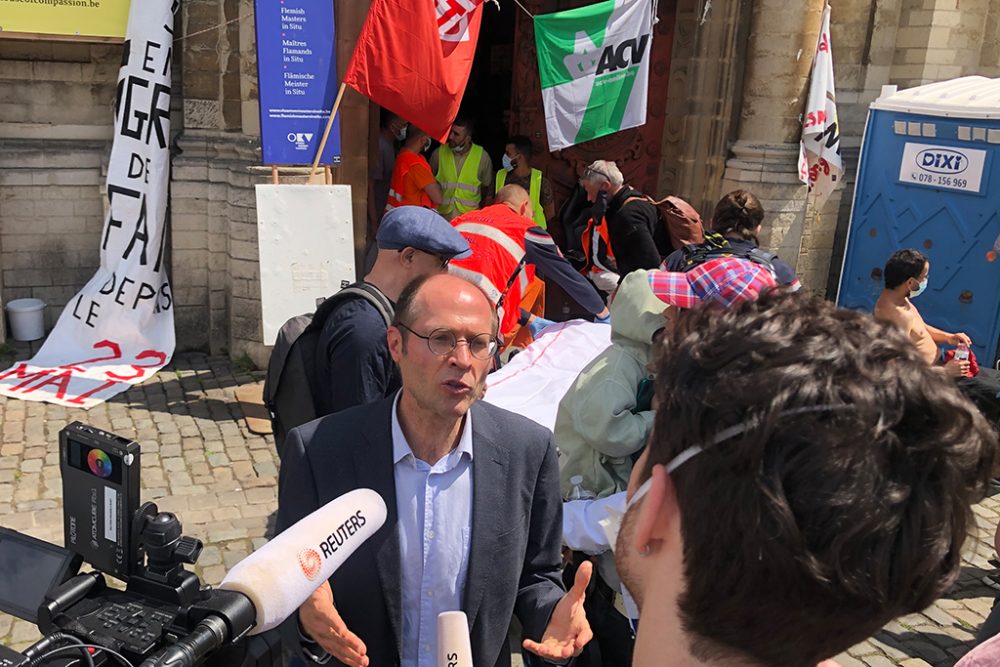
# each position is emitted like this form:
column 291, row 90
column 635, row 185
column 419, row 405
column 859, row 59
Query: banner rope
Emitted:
column 214, row 27
column 523, row 8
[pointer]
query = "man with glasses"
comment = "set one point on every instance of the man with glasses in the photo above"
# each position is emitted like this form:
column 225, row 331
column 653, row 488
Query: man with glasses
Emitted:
column 624, row 232
column 353, row 364
column 472, row 493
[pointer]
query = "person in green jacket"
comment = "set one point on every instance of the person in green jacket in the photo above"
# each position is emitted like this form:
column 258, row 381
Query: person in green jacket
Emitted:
column 606, row 416
column 600, row 423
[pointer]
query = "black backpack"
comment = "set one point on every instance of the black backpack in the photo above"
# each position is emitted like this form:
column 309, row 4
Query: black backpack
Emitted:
column 716, row 245
column 291, row 385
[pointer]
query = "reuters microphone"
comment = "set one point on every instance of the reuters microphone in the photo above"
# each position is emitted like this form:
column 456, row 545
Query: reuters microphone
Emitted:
column 282, row 574
column 454, row 647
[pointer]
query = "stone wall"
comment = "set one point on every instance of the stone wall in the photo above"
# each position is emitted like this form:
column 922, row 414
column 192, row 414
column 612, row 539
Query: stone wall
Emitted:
column 216, row 277
column 943, row 39
column 56, row 106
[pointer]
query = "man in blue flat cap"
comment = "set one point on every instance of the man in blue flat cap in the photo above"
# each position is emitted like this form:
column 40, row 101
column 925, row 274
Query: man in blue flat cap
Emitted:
column 353, row 364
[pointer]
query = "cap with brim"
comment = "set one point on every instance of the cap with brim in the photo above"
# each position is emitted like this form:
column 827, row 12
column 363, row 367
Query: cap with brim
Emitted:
column 423, row 229
column 724, row 281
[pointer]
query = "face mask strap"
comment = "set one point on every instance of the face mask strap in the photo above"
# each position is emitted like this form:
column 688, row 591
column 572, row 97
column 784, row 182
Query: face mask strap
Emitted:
column 733, row 431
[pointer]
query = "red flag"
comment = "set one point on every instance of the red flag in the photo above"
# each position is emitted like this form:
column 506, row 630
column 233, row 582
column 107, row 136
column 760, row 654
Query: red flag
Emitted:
column 413, row 57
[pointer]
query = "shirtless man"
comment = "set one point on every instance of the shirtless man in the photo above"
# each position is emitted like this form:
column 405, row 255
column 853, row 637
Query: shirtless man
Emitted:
column 906, row 278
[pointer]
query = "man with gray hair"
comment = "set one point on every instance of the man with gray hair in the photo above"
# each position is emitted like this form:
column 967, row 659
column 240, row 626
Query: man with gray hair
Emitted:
column 630, row 222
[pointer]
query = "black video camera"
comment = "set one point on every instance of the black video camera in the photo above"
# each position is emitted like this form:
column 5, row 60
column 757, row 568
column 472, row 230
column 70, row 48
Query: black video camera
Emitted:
column 165, row 616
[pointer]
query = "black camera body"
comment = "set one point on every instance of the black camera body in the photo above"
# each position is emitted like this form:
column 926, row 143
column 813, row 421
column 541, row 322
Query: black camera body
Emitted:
column 163, row 605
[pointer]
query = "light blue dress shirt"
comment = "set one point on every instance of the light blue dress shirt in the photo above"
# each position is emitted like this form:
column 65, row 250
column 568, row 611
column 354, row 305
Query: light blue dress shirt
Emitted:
column 434, row 504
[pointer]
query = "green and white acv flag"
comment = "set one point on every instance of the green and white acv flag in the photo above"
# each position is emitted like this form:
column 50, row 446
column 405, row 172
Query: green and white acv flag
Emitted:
column 593, row 63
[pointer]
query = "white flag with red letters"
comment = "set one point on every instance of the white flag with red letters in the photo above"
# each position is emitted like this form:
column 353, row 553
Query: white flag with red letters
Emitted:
column 820, row 165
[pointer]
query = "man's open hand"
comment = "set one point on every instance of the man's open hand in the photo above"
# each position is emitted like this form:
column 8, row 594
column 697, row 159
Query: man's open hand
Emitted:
column 568, row 630
column 321, row 621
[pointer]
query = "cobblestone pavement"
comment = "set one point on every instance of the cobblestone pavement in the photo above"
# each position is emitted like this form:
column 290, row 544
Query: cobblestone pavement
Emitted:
column 200, row 461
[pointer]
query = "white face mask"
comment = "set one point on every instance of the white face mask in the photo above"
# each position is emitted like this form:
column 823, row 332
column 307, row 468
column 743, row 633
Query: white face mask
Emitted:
column 920, row 289
column 612, row 525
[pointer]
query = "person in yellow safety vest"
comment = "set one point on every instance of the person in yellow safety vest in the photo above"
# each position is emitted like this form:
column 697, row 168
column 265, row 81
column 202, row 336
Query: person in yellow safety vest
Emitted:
column 517, row 170
column 507, row 247
column 464, row 171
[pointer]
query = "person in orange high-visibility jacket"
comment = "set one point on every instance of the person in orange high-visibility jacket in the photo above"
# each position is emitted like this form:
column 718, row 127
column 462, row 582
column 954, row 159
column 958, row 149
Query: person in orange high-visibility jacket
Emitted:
column 507, row 249
column 413, row 182
column 600, row 268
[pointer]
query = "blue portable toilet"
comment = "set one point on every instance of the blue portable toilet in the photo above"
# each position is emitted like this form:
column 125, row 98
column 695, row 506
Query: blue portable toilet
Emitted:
column 929, row 179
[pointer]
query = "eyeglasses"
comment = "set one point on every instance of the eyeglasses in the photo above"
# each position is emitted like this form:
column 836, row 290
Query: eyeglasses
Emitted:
column 588, row 171
column 443, row 341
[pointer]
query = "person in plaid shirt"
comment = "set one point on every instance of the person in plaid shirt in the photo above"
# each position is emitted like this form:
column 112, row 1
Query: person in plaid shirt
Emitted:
column 604, row 421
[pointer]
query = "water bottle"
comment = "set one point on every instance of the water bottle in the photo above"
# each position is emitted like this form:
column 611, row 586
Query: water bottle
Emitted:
column 962, row 353
column 578, row 492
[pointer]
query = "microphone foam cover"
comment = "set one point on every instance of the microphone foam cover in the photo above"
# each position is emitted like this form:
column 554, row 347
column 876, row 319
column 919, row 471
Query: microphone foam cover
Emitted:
column 283, row 573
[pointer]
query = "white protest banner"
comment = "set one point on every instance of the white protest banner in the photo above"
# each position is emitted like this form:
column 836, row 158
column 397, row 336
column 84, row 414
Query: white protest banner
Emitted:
column 119, row 329
column 305, row 234
column 820, row 165
column 593, row 63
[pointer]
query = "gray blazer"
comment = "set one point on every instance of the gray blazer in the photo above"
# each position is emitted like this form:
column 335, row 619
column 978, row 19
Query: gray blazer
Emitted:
column 514, row 555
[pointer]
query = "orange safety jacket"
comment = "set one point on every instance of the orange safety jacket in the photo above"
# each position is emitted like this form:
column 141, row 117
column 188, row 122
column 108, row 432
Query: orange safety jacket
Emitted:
column 398, row 196
column 496, row 237
column 597, row 248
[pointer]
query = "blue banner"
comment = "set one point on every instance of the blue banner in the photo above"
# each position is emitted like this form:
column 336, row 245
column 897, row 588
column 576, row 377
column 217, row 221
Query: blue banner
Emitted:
column 297, row 74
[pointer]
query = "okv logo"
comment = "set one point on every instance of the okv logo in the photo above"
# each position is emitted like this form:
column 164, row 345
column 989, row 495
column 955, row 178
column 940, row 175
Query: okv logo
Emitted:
column 942, row 161
column 300, row 139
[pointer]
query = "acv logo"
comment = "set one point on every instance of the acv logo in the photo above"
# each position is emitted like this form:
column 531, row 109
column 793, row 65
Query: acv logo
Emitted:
column 300, row 139
column 311, row 563
column 942, row 161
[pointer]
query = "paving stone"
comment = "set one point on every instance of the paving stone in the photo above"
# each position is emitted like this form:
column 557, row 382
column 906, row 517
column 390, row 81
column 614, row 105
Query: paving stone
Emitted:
column 201, row 463
column 174, row 465
column 264, row 495
column 266, row 469
column 926, row 650
column 218, row 459
column 890, row 649
column 210, row 555
column 981, row 605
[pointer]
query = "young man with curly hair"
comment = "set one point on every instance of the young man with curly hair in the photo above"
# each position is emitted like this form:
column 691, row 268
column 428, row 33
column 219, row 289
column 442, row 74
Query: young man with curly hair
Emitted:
column 809, row 478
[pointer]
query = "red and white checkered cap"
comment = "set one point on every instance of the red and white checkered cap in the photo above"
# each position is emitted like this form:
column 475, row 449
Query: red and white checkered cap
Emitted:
column 724, row 281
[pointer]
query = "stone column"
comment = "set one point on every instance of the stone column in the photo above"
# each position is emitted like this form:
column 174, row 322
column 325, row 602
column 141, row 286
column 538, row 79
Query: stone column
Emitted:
column 706, row 68
column 764, row 158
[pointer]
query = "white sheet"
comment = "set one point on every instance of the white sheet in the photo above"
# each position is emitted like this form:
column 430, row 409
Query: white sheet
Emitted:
column 536, row 379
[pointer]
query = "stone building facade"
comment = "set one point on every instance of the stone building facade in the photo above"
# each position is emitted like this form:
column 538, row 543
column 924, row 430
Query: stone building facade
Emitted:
column 734, row 74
